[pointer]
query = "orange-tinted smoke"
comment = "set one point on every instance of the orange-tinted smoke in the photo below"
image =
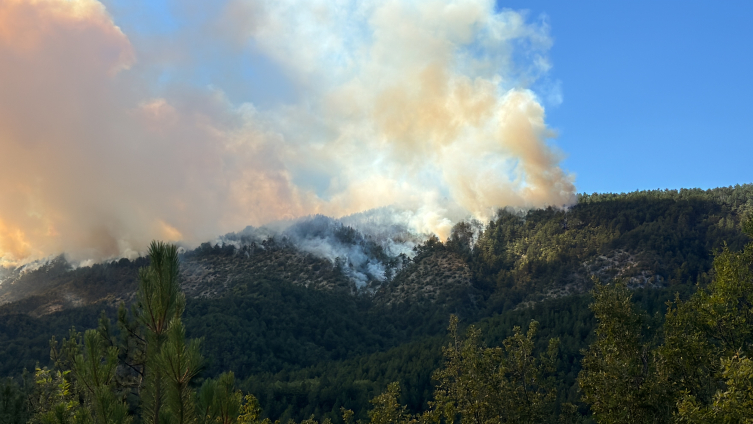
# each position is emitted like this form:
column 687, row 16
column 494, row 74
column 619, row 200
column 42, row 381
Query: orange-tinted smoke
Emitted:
column 95, row 164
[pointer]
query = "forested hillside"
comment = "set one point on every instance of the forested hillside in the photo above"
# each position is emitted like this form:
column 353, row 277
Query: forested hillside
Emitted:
column 307, row 335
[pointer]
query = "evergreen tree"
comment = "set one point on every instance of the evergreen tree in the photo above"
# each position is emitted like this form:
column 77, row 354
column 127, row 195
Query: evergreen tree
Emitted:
column 93, row 365
column 709, row 343
column 14, row 407
column 160, row 304
column 152, row 357
column 219, row 402
column 479, row 384
column 54, row 401
column 619, row 379
column 387, row 408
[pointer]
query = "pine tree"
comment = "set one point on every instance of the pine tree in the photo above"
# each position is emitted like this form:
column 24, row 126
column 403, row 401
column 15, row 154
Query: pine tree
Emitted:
column 169, row 362
column 94, row 364
column 159, row 306
column 14, row 407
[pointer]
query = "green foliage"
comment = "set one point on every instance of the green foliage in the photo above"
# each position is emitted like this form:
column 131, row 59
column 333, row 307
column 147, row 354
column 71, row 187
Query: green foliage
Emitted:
column 219, row 402
column 153, row 347
column 169, row 362
column 480, row 384
column 709, row 339
column 54, row 401
column 250, row 412
column 180, row 362
column 25, row 340
column 160, row 300
column 666, row 233
column 271, row 326
column 307, row 354
column 387, row 408
column 324, row 388
column 619, row 379
column 733, row 404
column 93, row 363
column 701, row 373
column 14, row 407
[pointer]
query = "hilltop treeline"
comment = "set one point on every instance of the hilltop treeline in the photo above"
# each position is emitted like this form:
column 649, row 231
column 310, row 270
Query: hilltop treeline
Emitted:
column 303, row 353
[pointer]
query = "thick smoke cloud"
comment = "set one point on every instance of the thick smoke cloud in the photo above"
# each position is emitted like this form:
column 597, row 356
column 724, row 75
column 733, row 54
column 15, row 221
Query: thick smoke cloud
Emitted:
column 419, row 105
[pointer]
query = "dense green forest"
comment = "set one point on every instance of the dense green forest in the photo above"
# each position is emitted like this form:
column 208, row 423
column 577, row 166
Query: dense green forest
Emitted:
column 298, row 352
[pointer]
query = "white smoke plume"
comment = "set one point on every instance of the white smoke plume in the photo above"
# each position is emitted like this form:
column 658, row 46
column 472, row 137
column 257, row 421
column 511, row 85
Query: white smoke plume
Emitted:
column 368, row 246
column 420, row 105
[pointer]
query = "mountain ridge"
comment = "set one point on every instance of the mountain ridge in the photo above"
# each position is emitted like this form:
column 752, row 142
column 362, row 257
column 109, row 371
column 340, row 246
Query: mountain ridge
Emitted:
column 542, row 252
column 299, row 336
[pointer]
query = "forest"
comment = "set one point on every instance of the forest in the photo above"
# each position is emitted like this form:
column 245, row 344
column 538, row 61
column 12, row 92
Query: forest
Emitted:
column 545, row 332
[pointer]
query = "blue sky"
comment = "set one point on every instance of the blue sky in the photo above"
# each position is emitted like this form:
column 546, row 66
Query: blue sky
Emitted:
column 655, row 94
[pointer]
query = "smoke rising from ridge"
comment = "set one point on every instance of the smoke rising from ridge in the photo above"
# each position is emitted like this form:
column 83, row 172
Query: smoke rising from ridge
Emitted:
column 367, row 246
column 423, row 105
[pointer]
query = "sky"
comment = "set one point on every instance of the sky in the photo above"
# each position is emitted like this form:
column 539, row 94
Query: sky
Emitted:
column 648, row 94
column 655, row 94
column 127, row 120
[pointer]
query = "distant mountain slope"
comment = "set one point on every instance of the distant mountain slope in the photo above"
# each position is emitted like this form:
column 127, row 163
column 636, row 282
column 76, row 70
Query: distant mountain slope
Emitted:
column 211, row 271
column 428, row 277
column 655, row 238
column 56, row 286
column 663, row 238
column 320, row 314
